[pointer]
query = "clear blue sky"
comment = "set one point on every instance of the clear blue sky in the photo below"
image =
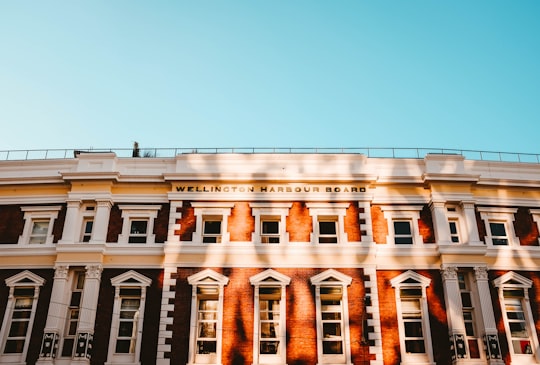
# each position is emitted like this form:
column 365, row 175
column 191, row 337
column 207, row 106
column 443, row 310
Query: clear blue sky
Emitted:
column 270, row 73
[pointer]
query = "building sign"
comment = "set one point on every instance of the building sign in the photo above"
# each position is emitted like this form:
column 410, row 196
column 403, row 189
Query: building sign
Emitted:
column 273, row 188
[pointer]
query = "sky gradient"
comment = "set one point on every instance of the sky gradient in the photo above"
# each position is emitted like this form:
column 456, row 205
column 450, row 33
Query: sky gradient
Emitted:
column 102, row 74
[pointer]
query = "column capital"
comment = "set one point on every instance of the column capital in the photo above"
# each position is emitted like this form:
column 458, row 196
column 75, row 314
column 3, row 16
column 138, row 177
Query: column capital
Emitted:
column 93, row 271
column 481, row 273
column 449, row 272
column 61, row 271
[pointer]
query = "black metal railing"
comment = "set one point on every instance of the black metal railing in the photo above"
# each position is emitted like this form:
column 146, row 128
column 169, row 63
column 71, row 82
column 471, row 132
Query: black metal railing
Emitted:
column 376, row 152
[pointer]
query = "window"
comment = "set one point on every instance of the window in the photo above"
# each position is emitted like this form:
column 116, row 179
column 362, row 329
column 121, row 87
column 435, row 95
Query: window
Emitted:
column 333, row 340
column 19, row 316
column 468, row 303
column 269, row 332
column 206, row 317
column 38, row 226
column 403, row 232
column 518, row 320
column 211, row 229
column 403, row 224
column 138, row 223
column 88, row 224
column 328, row 230
column 499, row 225
column 328, row 225
column 128, row 317
column 211, row 222
column 413, row 320
column 454, row 231
column 270, row 219
column 73, row 314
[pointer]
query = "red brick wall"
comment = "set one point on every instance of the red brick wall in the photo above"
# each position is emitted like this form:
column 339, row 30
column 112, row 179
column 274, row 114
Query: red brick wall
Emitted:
column 241, row 223
column 425, row 225
column 352, row 223
column 238, row 316
column 526, row 229
column 379, row 224
column 11, row 223
column 299, row 223
column 187, row 222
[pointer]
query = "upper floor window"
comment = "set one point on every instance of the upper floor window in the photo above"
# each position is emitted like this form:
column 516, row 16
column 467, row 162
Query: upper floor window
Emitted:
column 38, row 224
column 270, row 219
column 328, row 222
column 269, row 331
column 518, row 318
column 128, row 317
column 499, row 225
column 413, row 319
column 211, row 222
column 403, row 224
column 331, row 304
column 138, row 223
column 88, row 213
column 19, row 316
column 205, row 338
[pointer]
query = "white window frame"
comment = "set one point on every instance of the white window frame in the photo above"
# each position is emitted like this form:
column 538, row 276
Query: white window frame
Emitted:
column 214, row 211
column 270, row 279
column 454, row 215
column 128, row 280
column 499, row 215
column 514, row 281
column 413, row 280
column 38, row 213
column 535, row 213
column 132, row 213
column 324, row 212
column 270, row 212
column 469, row 282
column 88, row 215
column 326, row 279
column 205, row 279
column 73, row 277
column 410, row 213
column 24, row 279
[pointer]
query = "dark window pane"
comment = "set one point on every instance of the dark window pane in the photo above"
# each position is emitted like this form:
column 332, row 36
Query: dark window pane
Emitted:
column 18, row 329
column 403, row 240
column 327, row 227
column 413, row 329
column 466, row 300
column 331, row 329
column 332, row 347
column 206, row 347
column 401, row 227
column 269, row 347
column 453, row 227
column 138, row 227
column 67, row 349
column 123, row 346
column 212, row 227
column 270, row 227
column 415, row 346
column 497, row 229
column 125, row 329
column 14, row 346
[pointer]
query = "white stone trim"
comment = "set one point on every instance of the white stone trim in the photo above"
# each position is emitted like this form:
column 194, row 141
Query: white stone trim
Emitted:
column 35, row 213
column 264, row 210
column 409, row 213
column 502, row 215
column 206, row 278
column 411, row 279
column 138, row 212
column 274, row 279
column 23, row 279
column 328, row 212
column 332, row 278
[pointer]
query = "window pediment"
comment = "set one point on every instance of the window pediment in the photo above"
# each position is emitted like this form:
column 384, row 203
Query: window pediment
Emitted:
column 331, row 276
column 410, row 278
column 513, row 279
column 208, row 276
column 269, row 277
column 25, row 278
column 131, row 278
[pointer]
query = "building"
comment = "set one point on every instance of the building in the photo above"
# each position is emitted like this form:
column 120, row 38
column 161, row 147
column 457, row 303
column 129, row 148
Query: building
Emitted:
column 269, row 258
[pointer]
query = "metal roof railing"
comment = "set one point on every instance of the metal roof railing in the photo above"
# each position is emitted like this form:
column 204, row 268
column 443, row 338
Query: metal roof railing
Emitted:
column 377, row 152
